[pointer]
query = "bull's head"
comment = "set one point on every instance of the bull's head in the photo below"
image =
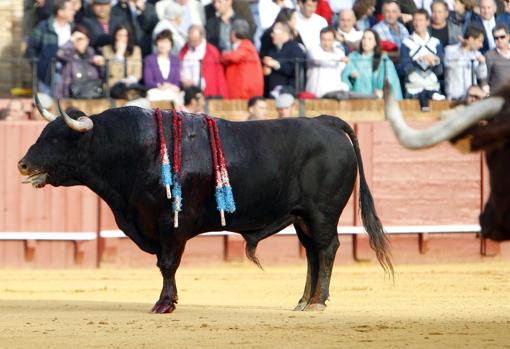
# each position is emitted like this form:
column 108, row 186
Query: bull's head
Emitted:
column 56, row 156
column 482, row 126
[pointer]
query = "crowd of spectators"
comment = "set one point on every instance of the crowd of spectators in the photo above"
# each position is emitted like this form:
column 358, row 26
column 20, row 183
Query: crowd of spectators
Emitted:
column 188, row 50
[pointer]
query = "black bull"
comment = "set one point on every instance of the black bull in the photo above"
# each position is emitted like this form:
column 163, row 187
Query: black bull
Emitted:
column 298, row 171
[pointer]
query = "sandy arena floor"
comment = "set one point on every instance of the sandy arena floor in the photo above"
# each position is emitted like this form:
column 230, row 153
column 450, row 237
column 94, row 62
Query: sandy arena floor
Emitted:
column 240, row 306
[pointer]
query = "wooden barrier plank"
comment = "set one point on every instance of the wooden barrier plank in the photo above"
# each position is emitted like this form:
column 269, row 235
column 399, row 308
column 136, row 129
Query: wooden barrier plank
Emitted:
column 3, row 155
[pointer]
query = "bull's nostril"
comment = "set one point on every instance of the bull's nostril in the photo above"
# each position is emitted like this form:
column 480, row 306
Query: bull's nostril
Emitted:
column 22, row 166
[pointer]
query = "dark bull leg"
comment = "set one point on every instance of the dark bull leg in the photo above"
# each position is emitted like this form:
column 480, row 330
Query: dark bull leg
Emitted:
column 326, row 259
column 312, row 259
column 168, row 262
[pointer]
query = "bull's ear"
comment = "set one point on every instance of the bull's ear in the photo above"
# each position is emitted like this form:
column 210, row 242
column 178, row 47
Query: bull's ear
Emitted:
column 485, row 136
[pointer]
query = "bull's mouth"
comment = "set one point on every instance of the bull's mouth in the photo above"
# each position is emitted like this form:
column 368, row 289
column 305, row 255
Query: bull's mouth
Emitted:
column 38, row 179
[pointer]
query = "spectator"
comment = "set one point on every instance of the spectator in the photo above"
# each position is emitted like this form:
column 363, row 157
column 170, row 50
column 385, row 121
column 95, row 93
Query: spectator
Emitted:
column 142, row 18
column 464, row 64
column 124, row 65
column 81, row 67
column 193, row 13
column 441, row 27
column 201, row 65
column 309, row 24
column 46, row 39
column 504, row 18
column 279, row 65
column 324, row 10
column 325, row 65
column 420, row 61
column 171, row 21
column 194, row 100
column 391, row 32
column 243, row 61
column 102, row 23
column 498, row 60
column 14, row 111
column 364, row 12
column 269, row 10
column 161, row 71
column 346, row 33
column 487, row 20
column 218, row 28
column 287, row 16
column 241, row 9
column 285, row 106
column 257, row 108
column 462, row 13
column 366, row 69
column 474, row 94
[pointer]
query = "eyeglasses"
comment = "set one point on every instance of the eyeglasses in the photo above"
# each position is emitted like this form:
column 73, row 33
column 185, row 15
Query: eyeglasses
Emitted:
column 500, row 37
column 477, row 97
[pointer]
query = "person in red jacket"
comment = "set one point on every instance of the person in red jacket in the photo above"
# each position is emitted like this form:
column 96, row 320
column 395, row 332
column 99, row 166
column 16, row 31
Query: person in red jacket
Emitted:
column 242, row 64
column 201, row 65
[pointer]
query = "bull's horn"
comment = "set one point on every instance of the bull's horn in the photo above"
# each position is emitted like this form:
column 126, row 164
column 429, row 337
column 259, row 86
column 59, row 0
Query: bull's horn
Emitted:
column 48, row 116
column 83, row 124
column 446, row 129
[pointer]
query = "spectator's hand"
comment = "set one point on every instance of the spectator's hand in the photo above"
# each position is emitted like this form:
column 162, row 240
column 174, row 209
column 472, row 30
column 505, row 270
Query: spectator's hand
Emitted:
column 120, row 47
column 98, row 60
column 406, row 17
column 266, row 70
column 379, row 93
column 39, row 3
column 339, row 37
column 430, row 59
column 354, row 74
column 269, row 61
column 344, row 59
column 481, row 59
column 187, row 83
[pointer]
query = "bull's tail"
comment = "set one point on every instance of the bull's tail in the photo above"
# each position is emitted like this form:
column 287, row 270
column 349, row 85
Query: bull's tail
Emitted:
column 371, row 222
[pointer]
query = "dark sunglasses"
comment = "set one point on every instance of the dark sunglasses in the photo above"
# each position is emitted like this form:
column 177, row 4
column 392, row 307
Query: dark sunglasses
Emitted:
column 500, row 37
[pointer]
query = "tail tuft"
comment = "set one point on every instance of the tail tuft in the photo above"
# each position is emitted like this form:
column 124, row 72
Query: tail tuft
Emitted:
column 250, row 254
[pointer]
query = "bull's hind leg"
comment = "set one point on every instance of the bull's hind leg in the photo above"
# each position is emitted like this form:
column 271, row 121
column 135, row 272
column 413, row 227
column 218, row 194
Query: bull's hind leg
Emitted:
column 326, row 242
column 312, row 259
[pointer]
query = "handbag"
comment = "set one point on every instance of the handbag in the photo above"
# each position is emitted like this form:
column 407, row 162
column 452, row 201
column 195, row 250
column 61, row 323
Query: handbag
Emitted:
column 87, row 89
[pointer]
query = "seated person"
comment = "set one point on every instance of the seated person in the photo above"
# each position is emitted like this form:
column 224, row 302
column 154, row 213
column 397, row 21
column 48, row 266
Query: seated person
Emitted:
column 441, row 27
column 459, row 62
column 82, row 69
column 366, row 68
column 325, row 66
column 390, row 30
column 257, row 108
column 347, row 34
column 124, row 64
column 201, row 65
column 194, row 100
column 474, row 94
column 243, row 70
column 280, row 62
column 161, row 71
column 420, row 62
column 285, row 105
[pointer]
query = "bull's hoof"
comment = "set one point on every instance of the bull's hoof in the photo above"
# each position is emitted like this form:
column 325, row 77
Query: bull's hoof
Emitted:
column 301, row 306
column 315, row 307
column 163, row 308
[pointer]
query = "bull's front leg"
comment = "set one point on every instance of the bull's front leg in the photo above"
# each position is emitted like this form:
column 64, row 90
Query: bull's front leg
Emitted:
column 168, row 261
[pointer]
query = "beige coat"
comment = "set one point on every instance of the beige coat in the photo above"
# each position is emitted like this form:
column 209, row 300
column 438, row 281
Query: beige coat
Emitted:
column 116, row 68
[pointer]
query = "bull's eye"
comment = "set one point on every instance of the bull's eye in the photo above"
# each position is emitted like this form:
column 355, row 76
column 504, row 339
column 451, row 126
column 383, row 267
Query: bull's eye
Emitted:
column 54, row 141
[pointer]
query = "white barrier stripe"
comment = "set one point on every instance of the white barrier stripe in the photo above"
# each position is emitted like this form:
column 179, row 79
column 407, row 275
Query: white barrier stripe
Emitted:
column 54, row 236
column 349, row 230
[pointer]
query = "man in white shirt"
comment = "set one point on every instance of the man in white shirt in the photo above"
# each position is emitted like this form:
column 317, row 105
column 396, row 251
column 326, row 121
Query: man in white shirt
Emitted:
column 325, row 65
column 309, row 24
column 464, row 64
column 347, row 34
